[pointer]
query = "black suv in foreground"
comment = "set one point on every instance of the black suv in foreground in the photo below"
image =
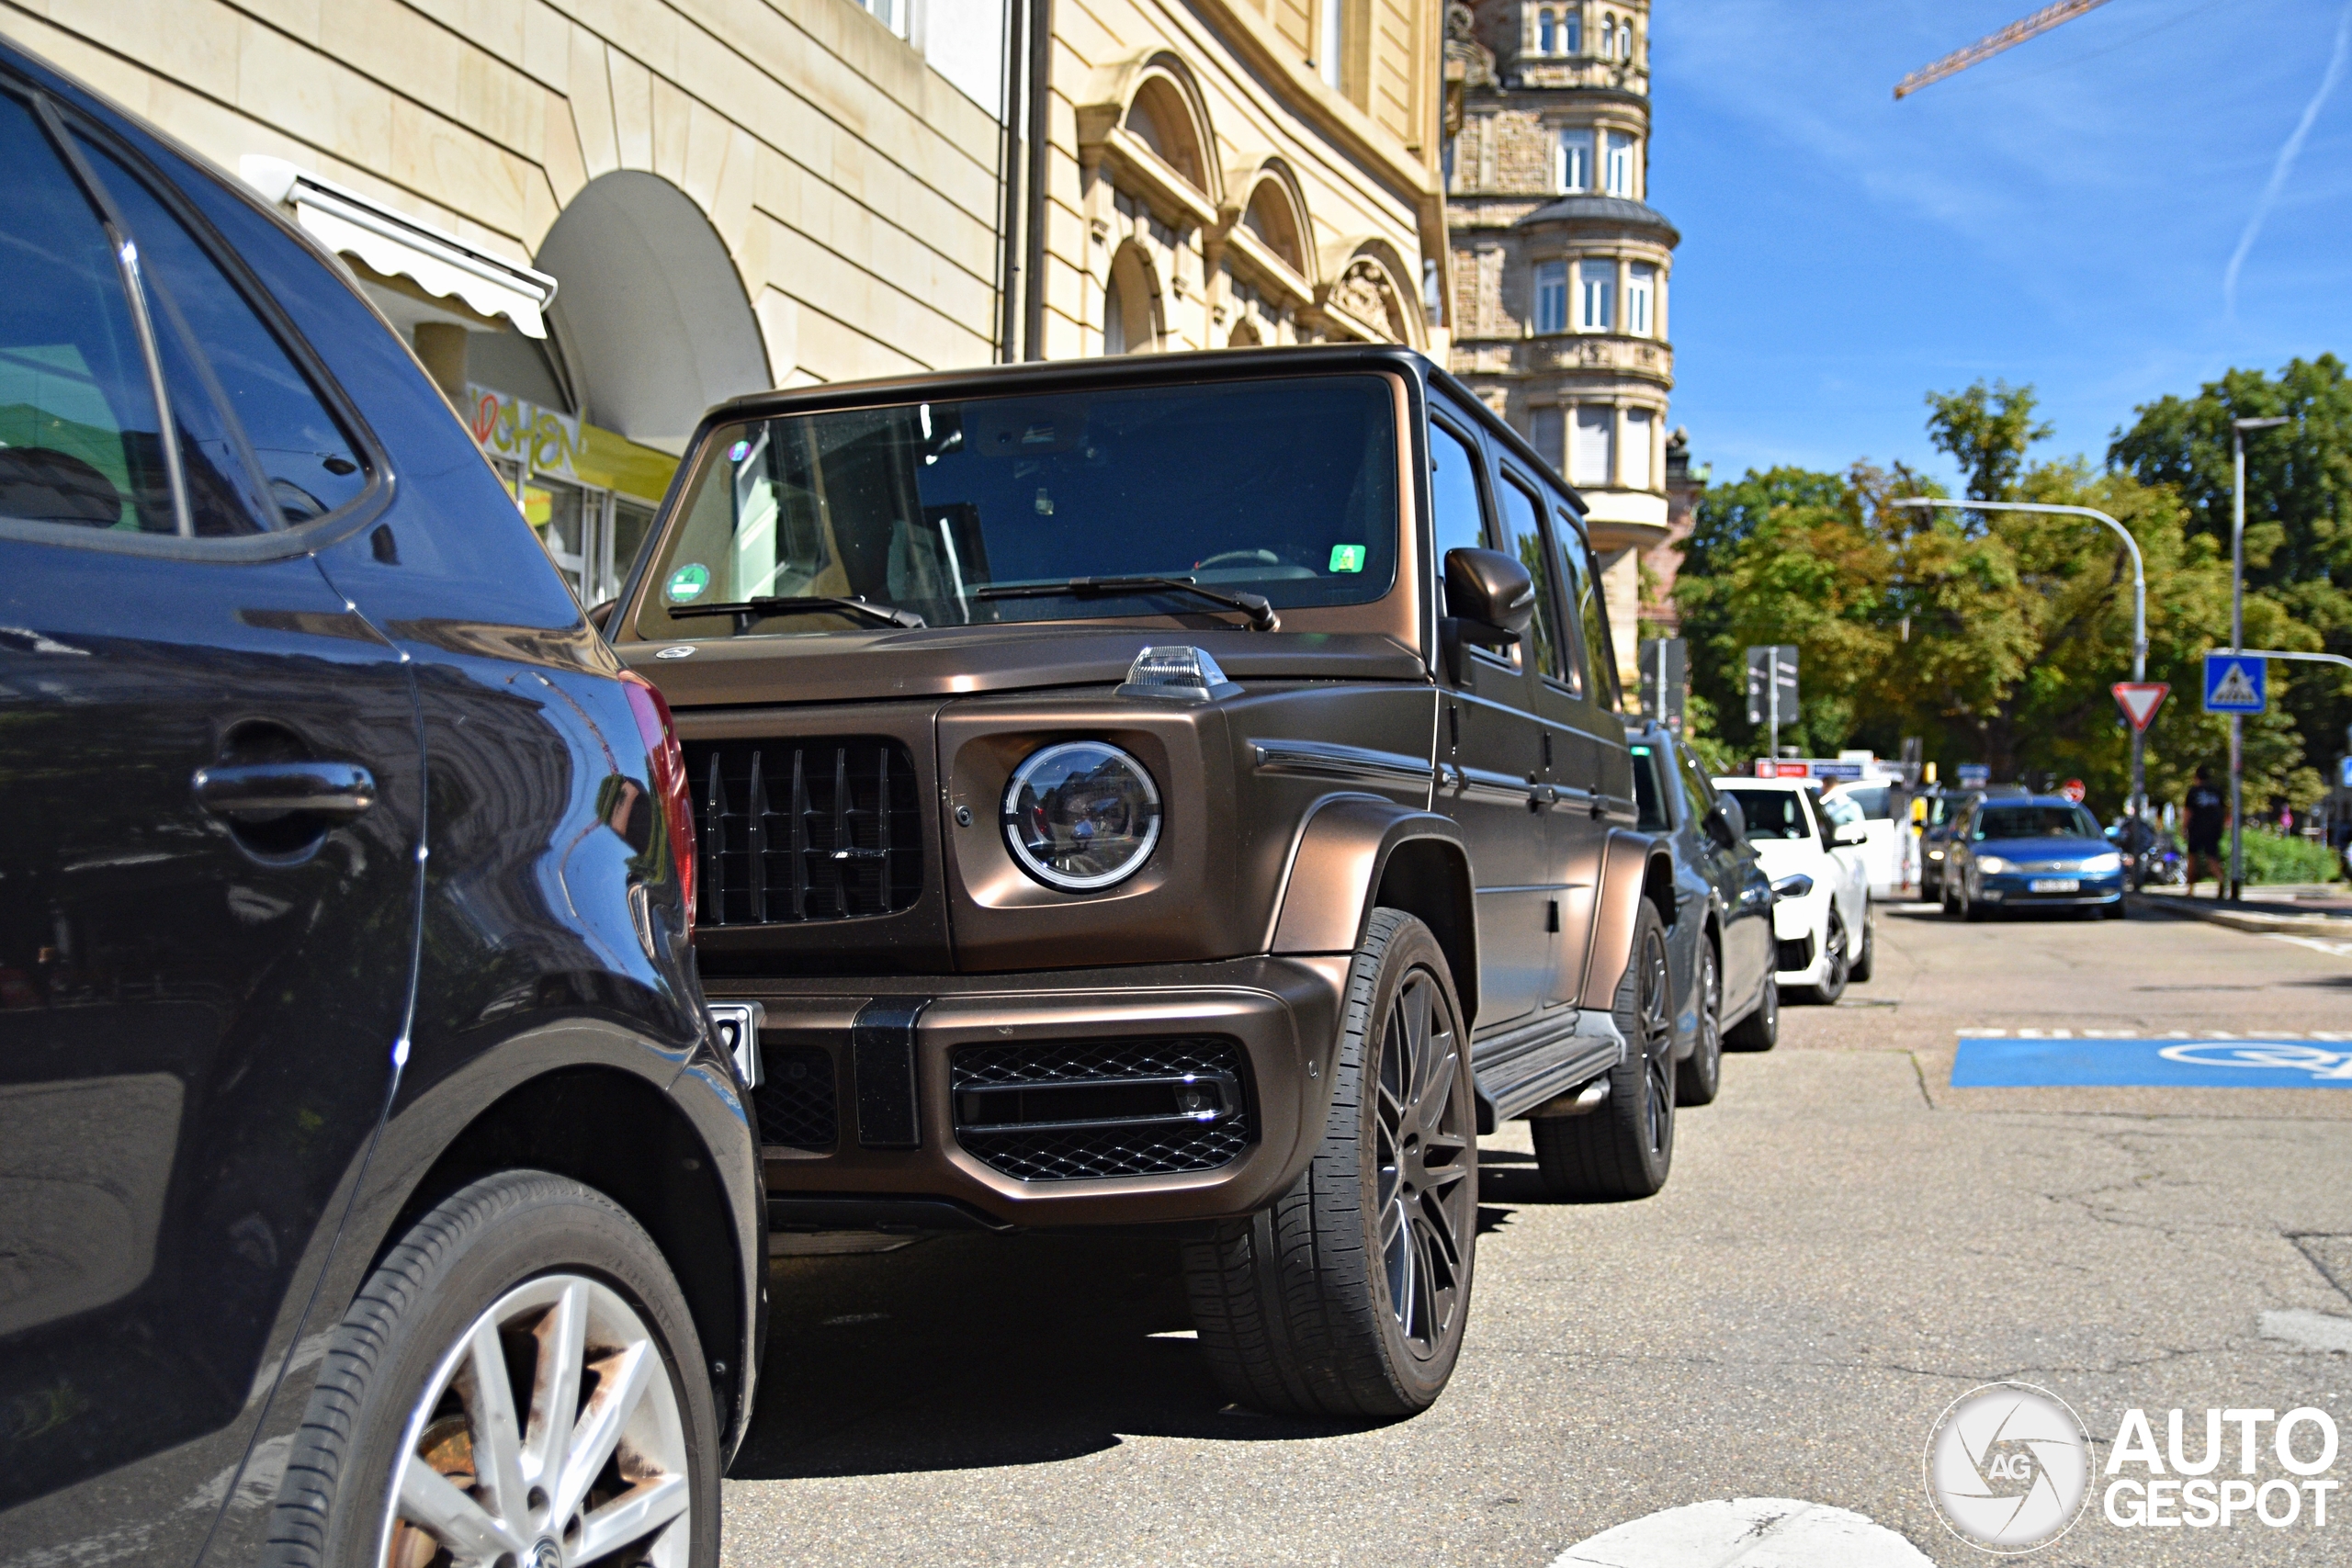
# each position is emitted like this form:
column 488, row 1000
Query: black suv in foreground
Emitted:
column 1181, row 789
column 373, row 1187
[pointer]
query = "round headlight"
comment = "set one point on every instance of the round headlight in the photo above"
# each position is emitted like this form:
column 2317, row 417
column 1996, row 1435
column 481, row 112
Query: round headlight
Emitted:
column 1080, row 816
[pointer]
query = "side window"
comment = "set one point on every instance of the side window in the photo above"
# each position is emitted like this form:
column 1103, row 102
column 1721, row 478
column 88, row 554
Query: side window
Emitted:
column 1648, row 794
column 255, row 433
column 1457, row 519
column 1695, row 789
column 1523, row 538
column 79, row 443
column 1591, row 615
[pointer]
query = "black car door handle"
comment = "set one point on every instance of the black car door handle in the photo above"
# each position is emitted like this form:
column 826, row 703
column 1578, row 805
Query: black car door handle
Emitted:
column 325, row 789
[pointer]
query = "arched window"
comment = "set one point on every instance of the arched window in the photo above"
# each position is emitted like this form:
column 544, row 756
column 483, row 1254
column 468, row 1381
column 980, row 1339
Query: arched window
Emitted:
column 1157, row 119
column 1625, row 42
column 1128, row 309
column 1546, row 31
column 1608, row 35
column 1572, row 34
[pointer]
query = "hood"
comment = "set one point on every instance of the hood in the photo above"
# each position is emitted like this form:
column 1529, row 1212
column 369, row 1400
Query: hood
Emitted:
column 1781, row 856
column 886, row 663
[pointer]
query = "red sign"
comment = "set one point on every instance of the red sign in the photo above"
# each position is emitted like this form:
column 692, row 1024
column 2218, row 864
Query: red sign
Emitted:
column 2074, row 790
column 2140, row 700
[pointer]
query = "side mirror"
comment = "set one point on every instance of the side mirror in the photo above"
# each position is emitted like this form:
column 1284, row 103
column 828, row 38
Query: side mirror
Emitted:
column 1719, row 828
column 1490, row 599
column 1734, row 819
column 1850, row 833
column 1794, row 886
column 600, row 616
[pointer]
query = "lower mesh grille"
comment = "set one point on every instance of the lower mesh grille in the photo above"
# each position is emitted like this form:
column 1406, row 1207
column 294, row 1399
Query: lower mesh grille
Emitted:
column 1074, row 1110
column 797, row 1104
column 1796, row 952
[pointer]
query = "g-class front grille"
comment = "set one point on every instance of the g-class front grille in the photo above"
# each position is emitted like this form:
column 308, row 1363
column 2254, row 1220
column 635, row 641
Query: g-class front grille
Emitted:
column 791, row 831
column 796, row 1104
column 1072, row 1109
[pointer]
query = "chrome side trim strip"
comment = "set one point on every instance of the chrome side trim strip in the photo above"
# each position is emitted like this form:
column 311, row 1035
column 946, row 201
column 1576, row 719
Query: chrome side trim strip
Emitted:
column 1327, row 760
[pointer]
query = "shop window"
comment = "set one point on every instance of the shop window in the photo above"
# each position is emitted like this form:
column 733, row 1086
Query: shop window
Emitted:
column 1550, row 297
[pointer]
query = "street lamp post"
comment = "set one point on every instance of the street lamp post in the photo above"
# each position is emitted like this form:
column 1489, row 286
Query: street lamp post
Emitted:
column 2138, row 604
column 2238, row 427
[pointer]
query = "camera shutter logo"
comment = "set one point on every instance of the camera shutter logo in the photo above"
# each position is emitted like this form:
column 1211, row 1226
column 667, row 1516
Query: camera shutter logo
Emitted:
column 2008, row 1467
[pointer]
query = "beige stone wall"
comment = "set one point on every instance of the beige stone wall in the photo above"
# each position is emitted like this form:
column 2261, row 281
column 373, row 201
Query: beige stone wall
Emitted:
column 855, row 187
column 1354, row 169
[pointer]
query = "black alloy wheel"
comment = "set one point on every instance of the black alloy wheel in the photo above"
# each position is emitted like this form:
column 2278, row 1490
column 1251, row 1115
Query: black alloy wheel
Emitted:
column 1701, row 1074
column 1348, row 1296
column 1625, row 1146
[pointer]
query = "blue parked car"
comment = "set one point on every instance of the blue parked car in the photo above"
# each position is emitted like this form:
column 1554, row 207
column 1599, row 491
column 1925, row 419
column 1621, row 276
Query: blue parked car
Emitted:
column 2034, row 853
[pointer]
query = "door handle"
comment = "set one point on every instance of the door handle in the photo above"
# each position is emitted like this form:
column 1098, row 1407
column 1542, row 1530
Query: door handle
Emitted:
column 321, row 789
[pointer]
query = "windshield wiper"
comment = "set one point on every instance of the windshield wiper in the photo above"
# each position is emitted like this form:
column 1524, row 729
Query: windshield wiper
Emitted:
column 1254, row 605
column 747, row 610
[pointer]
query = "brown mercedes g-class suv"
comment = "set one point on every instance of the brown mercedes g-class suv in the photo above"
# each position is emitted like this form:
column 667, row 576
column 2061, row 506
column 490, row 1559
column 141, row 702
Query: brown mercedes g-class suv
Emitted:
column 1179, row 789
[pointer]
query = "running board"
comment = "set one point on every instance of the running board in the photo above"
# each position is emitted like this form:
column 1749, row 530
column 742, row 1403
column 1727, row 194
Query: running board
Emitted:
column 1539, row 1062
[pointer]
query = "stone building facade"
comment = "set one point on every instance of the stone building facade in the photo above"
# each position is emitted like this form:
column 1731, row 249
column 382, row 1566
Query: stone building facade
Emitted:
column 1560, row 266
column 1229, row 173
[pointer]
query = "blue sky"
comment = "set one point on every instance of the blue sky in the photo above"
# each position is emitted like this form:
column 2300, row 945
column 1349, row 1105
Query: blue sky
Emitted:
column 2064, row 214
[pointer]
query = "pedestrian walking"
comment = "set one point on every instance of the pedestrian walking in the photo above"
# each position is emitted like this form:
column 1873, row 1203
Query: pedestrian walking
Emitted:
column 2205, row 811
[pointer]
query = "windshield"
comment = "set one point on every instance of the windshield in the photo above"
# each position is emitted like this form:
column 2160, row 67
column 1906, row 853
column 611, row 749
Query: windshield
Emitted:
column 1875, row 802
column 1772, row 813
column 2035, row 822
column 1285, row 489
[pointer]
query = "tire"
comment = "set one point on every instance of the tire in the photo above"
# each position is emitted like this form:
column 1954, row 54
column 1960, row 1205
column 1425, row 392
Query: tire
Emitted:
column 1347, row 1295
column 1760, row 1029
column 1952, row 911
column 555, row 1279
column 1700, row 1075
column 1836, row 966
column 2118, row 911
column 1866, row 960
column 1625, row 1147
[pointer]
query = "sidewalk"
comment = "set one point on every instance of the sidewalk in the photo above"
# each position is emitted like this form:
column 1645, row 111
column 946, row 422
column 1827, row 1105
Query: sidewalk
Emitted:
column 2306, row 907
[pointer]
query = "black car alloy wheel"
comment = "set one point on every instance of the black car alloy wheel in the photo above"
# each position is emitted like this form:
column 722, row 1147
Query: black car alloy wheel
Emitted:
column 1427, row 1204
column 1701, row 1074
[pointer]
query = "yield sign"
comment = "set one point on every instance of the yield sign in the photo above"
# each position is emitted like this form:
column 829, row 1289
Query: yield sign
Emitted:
column 2140, row 700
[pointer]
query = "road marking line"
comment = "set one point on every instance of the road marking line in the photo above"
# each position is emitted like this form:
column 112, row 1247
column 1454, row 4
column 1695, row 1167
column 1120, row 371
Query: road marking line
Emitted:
column 1752, row 1531
column 2332, row 949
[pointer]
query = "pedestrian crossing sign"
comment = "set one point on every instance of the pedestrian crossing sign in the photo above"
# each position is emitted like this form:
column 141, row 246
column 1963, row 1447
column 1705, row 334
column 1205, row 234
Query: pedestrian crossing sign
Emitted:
column 2236, row 682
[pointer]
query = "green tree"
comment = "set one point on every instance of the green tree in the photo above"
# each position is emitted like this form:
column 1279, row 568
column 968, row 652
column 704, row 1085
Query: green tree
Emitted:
column 1987, row 431
column 2298, row 511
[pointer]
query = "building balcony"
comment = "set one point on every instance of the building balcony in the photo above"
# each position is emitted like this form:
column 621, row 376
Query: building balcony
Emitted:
column 1594, row 354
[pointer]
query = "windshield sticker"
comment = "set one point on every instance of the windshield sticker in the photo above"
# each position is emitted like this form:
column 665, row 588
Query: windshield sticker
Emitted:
column 737, row 452
column 1347, row 557
column 689, row 582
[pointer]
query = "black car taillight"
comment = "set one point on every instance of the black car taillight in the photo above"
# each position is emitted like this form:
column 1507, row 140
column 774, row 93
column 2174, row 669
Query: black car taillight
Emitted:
column 669, row 766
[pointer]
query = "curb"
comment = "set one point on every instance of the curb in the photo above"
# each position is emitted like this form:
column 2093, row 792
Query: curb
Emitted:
column 2238, row 917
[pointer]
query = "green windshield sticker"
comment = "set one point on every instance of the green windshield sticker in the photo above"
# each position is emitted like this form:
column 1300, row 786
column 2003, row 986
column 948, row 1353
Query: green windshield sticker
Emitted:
column 1347, row 557
column 688, row 582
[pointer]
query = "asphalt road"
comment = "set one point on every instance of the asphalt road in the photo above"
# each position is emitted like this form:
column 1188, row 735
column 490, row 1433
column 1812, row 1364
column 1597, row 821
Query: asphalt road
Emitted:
column 1847, row 1245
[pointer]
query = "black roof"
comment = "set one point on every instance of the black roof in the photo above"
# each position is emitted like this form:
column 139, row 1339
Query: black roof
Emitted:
column 1616, row 210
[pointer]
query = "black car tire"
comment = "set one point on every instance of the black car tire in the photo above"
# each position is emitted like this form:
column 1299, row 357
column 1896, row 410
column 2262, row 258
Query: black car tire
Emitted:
column 1298, row 1306
column 1760, row 1029
column 1699, row 1076
column 1867, row 959
column 1838, row 963
column 2118, row 911
column 500, row 1240
column 1623, row 1147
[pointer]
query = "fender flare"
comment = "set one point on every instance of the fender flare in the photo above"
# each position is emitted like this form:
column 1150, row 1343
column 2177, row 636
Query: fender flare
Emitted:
column 1632, row 865
column 1346, row 848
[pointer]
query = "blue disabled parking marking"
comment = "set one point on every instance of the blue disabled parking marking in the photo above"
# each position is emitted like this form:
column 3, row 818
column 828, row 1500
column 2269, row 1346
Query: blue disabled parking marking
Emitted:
column 2172, row 1061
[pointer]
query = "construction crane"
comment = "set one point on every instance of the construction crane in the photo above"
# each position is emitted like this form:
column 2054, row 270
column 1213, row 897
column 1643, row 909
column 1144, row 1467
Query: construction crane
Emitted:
column 2016, row 33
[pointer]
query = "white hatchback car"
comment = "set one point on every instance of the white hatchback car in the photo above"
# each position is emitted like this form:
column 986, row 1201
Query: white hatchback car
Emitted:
column 1823, row 917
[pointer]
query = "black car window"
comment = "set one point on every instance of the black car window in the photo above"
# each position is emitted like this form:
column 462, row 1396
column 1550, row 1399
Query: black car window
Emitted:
column 1523, row 539
column 78, row 428
column 1457, row 515
column 1773, row 813
column 1648, row 791
column 257, row 428
column 1592, row 614
column 1697, row 793
column 2034, row 822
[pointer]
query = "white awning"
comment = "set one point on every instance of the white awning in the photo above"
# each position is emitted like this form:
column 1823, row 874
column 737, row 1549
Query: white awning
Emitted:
column 397, row 245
